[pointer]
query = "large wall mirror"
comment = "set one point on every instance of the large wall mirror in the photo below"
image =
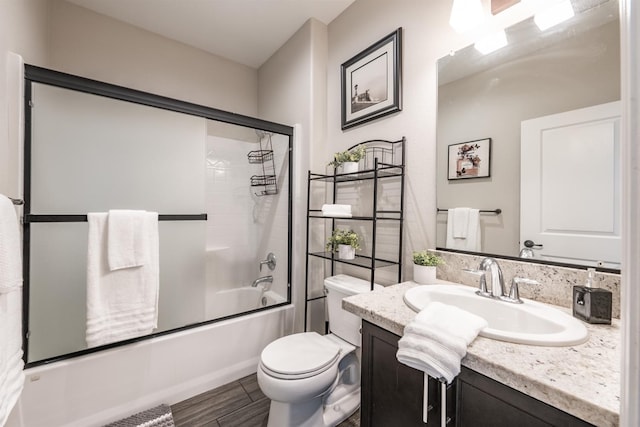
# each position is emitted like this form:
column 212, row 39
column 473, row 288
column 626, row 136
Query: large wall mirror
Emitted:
column 220, row 183
column 547, row 105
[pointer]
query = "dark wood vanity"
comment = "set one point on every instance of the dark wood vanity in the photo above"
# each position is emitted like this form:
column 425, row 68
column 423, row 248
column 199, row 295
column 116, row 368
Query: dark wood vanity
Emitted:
column 392, row 394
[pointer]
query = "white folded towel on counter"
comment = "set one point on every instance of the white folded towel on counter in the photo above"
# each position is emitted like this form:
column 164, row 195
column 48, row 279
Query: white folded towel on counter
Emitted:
column 122, row 303
column 11, row 364
column 436, row 340
column 336, row 211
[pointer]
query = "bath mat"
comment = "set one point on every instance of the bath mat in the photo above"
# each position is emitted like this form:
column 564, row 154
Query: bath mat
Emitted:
column 160, row 416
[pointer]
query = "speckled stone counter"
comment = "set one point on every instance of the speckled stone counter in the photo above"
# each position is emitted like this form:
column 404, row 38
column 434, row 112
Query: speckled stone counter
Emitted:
column 583, row 380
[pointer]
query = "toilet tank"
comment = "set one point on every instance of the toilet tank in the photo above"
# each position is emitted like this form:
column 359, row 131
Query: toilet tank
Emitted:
column 342, row 323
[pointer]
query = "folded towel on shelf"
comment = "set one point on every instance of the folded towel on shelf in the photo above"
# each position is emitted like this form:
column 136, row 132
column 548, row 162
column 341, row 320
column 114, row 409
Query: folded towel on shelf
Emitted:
column 436, row 340
column 463, row 229
column 127, row 241
column 11, row 364
column 122, row 303
column 337, row 211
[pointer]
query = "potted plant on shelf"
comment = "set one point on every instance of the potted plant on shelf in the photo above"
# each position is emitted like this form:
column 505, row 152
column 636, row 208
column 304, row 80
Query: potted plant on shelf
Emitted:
column 348, row 159
column 424, row 267
column 345, row 242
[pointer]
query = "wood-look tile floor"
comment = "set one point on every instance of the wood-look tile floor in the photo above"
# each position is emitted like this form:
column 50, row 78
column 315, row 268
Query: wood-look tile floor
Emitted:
column 238, row 404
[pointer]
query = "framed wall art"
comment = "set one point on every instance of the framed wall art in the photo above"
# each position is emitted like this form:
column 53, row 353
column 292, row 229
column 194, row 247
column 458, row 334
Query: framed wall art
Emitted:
column 371, row 82
column 470, row 159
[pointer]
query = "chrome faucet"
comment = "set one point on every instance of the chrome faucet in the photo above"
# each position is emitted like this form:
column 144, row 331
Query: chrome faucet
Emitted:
column 498, row 290
column 490, row 265
column 261, row 280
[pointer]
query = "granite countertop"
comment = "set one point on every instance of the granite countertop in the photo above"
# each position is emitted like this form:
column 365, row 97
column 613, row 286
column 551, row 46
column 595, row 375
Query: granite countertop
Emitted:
column 583, row 380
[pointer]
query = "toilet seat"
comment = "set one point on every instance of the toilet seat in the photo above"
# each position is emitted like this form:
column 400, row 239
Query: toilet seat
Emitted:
column 299, row 356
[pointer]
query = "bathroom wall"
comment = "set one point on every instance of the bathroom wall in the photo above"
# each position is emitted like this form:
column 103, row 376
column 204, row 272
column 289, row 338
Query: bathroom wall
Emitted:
column 91, row 45
column 426, row 37
column 292, row 89
column 23, row 29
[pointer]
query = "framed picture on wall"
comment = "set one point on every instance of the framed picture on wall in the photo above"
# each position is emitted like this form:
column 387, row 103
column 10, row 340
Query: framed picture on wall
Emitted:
column 371, row 82
column 470, row 159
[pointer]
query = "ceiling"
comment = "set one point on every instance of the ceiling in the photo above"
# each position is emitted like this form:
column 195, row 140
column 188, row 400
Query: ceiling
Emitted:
column 244, row 31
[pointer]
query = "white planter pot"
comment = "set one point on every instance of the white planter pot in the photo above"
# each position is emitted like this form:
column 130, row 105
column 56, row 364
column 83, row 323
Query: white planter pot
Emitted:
column 424, row 275
column 350, row 167
column 346, row 252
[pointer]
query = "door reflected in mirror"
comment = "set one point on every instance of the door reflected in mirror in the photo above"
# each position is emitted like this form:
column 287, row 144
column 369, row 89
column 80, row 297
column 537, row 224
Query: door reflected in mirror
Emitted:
column 569, row 67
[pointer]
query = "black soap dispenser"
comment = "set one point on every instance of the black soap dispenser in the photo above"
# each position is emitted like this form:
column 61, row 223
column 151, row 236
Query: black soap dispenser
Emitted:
column 593, row 305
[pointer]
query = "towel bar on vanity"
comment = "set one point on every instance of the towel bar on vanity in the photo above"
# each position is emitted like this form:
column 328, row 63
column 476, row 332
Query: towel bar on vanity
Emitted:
column 493, row 211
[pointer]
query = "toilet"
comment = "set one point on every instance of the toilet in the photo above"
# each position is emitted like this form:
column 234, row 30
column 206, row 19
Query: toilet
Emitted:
column 313, row 380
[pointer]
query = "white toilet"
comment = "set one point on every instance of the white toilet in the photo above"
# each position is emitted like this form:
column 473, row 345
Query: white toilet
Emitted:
column 313, row 380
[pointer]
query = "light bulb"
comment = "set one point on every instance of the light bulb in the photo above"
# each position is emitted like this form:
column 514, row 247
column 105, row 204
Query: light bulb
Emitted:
column 466, row 15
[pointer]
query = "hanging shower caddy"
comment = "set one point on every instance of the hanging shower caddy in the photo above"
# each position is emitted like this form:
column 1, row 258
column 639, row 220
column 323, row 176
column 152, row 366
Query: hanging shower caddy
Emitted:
column 264, row 157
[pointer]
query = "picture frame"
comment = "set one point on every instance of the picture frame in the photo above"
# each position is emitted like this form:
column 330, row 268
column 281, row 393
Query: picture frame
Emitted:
column 371, row 82
column 471, row 159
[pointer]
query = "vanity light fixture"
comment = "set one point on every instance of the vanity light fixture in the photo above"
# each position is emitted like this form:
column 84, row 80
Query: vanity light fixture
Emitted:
column 555, row 13
column 491, row 42
column 466, row 15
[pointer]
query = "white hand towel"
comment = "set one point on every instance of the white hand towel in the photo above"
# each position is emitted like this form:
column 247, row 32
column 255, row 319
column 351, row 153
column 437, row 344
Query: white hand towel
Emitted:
column 460, row 222
column 126, row 239
column 11, row 364
column 123, row 303
column 473, row 235
column 436, row 340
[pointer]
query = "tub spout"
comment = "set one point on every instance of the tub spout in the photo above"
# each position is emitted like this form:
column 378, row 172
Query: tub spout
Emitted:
column 261, row 280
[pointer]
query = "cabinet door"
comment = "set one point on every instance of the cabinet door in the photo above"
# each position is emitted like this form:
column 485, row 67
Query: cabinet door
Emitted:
column 392, row 393
column 483, row 402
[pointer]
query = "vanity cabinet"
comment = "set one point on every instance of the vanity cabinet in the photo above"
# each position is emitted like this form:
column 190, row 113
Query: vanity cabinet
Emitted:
column 392, row 394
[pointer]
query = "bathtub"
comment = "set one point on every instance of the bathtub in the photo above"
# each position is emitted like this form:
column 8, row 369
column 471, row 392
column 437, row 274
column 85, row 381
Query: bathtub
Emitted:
column 109, row 385
column 240, row 300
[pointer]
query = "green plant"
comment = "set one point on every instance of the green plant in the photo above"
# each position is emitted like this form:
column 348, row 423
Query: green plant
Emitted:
column 353, row 155
column 427, row 259
column 343, row 237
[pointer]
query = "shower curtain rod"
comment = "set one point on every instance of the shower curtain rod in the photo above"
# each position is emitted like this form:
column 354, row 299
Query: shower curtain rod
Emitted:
column 31, row 218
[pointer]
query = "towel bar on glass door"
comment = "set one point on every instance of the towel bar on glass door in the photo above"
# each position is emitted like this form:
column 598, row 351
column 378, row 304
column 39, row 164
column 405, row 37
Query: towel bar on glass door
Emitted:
column 30, row 218
column 493, row 211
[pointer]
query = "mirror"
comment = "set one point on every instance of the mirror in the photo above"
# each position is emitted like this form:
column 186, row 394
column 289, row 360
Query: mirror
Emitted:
column 204, row 173
column 568, row 67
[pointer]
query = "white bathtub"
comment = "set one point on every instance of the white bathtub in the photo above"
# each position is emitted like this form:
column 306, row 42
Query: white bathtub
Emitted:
column 240, row 300
column 106, row 386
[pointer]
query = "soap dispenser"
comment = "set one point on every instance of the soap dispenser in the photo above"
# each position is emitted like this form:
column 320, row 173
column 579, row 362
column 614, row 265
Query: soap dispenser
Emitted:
column 593, row 305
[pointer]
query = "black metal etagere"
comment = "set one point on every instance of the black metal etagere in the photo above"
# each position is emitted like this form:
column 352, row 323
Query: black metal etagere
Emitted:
column 383, row 160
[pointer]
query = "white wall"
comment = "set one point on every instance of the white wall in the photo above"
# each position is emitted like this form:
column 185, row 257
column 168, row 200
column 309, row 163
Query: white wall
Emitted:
column 23, row 30
column 426, row 37
column 92, row 45
column 292, row 90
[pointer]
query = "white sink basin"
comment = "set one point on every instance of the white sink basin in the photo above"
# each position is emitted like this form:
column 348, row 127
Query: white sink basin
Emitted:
column 530, row 323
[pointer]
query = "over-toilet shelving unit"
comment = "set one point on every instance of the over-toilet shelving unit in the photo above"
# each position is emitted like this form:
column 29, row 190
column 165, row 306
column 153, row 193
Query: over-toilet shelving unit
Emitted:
column 383, row 160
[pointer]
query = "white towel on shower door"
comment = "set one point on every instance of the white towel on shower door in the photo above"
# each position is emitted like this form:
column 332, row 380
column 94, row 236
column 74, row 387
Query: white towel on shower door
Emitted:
column 126, row 240
column 11, row 364
column 121, row 304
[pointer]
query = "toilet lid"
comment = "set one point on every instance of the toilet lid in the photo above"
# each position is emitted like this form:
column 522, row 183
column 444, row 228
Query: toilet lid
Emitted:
column 300, row 355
